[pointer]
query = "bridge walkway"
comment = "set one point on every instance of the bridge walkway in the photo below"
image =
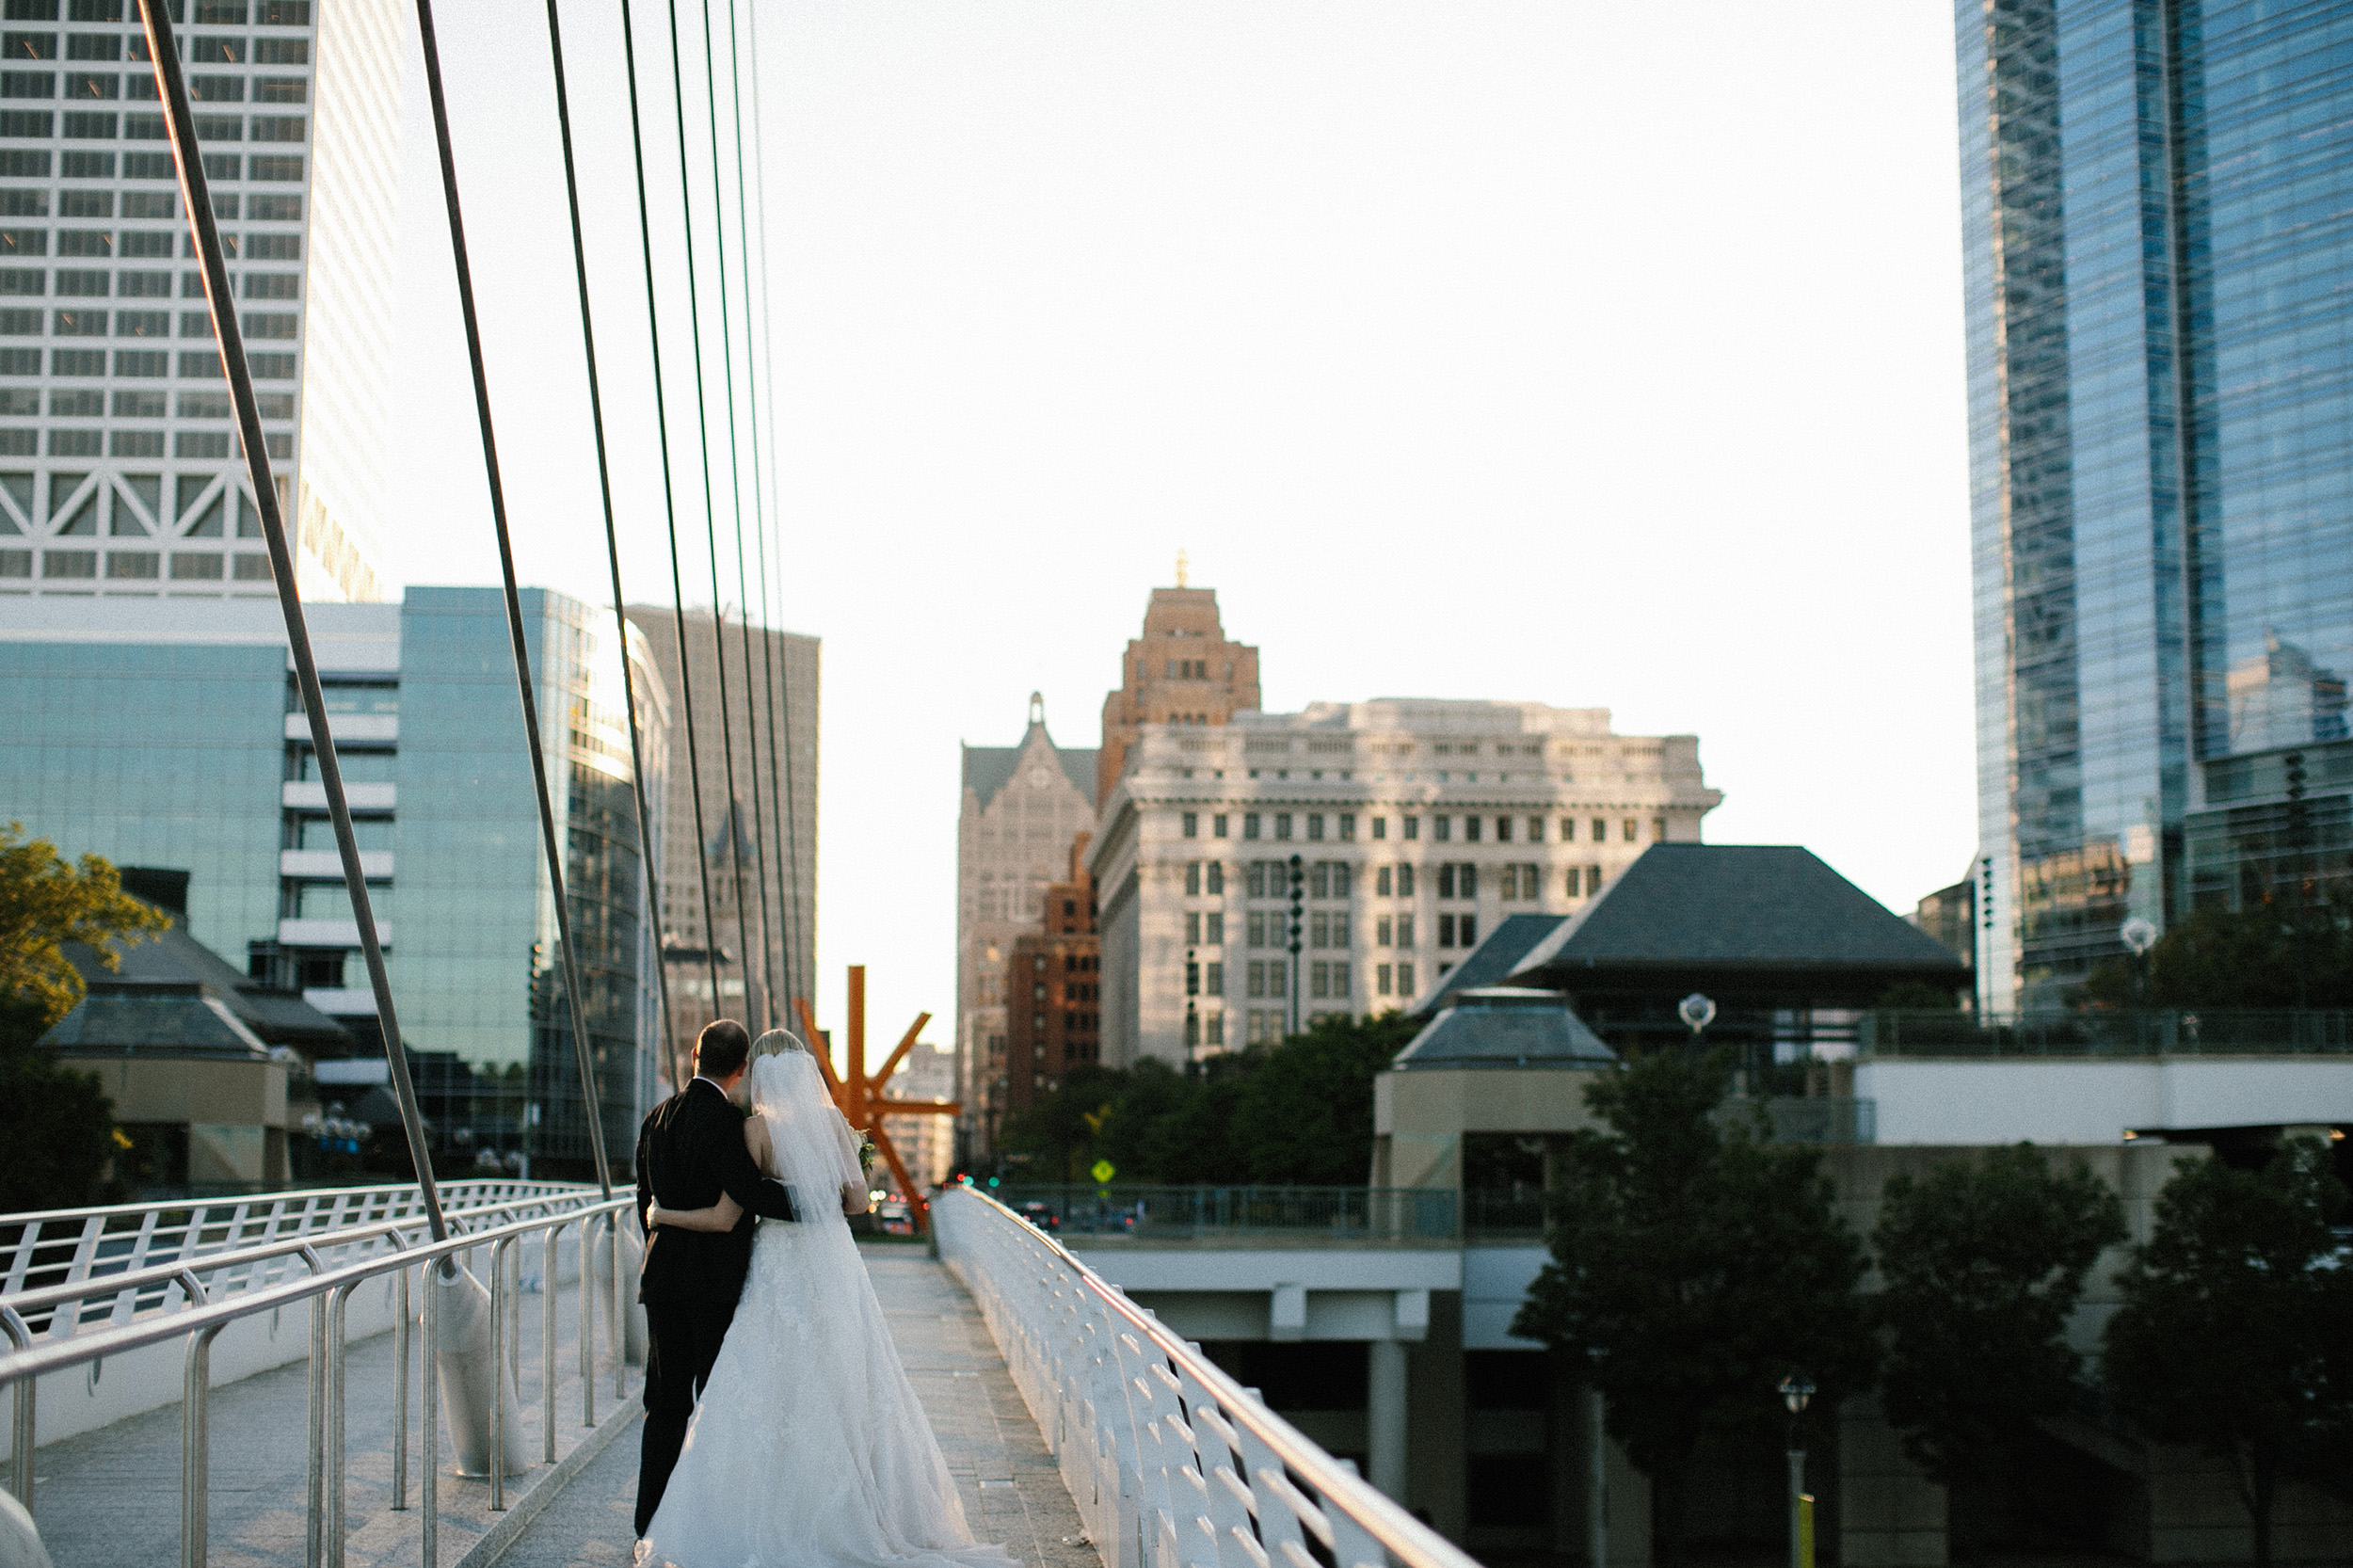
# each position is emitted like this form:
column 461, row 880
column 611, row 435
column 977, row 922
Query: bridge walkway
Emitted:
column 1012, row 1492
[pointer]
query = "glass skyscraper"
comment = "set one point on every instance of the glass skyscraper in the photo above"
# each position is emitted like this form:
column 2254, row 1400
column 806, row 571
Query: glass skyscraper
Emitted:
column 170, row 736
column 120, row 473
column 2158, row 224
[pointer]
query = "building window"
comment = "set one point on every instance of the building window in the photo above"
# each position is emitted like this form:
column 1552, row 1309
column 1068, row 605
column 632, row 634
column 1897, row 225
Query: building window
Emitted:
column 1503, row 830
column 1405, row 980
column 1192, row 879
column 1379, row 827
column 1319, row 980
column 1405, row 882
column 1213, row 978
column 1192, row 929
column 1535, row 830
column 1413, row 827
column 1213, row 878
column 1214, row 1027
column 1217, row 825
column 1193, row 825
column 1446, row 931
column 1381, row 973
column 1630, row 834
column 1381, row 882
column 1315, row 826
column 1250, row 824
column 1213, row 929
column 1466, row 931
column 1281, row 824
column 1601, row 831
column 1319, row 930
column 1266, row 1028
column 1254, row 928
column 1341, row 982
column 1471, row 829
column 1458, row 879
column 1348, row 824
column 1406, row 931
column 1381, row 932
column 1658, row 829
column 1441, row 828
column 1568, row 830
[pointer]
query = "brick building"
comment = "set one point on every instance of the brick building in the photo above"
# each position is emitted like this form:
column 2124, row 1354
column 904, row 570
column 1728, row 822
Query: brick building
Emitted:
column 1181, row 671
column 1054, row 1003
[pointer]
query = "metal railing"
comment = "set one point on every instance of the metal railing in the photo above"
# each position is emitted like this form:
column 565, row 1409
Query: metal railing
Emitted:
column 2205, row 1032
column 1349, row 1215
column 59, row 1247
column 197, row 1318
column 1170, row 1461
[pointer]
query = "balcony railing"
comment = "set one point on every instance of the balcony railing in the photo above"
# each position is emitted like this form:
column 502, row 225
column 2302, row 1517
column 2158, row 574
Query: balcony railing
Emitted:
column 1355, row 1216
column 2207, row 1031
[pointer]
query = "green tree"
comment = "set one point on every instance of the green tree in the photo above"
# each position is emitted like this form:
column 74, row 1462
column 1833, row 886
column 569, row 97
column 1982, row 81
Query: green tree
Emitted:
column 1692, row 1268
column 1305, row 1113
column 61, row 1138
column 2267, row 954
column 1983, row 1262
column 2237, row 1330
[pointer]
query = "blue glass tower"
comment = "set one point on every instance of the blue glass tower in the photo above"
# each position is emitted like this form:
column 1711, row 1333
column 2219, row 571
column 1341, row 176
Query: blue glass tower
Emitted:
column 2158, row 224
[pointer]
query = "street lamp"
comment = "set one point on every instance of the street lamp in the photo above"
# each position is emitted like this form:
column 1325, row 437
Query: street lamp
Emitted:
column 2139, row 936
column 1299, row 888
column 1795, row 1391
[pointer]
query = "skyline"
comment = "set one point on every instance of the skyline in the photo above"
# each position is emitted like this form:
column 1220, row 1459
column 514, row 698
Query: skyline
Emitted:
column 1500, row 301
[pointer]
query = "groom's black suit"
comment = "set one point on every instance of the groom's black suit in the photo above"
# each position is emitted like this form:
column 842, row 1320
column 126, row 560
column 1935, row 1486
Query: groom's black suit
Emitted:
column 691, row 1150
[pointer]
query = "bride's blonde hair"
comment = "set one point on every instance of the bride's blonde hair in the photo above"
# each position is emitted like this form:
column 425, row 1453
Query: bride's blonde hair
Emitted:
column 777, row 1041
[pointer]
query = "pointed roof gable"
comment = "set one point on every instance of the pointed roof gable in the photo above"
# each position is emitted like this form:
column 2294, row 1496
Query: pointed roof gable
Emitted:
column 989, row 769
column 1752, row 907
column 1491, row 961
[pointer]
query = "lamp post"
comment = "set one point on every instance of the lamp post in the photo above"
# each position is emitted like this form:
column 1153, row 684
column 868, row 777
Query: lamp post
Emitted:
column 1697, row 1012
column 1299, row 885
column 2139, row 936
column 1795, row 1391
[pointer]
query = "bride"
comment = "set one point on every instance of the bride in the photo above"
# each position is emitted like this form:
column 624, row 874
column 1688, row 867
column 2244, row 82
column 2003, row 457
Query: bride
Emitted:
column 808, row 1449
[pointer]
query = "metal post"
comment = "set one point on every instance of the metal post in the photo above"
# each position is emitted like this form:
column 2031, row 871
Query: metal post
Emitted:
column 428, row 1483
column 194, row 1451
column 589, row 1322
column 21, row 1417
column 1598, row 1484
column 338, row 1347
column 618, row 1332
column 400, row 1392
column 497, row 1370
column 1797, row 1492
column 314, row 1522
column 196, row 194
column 547, row 1341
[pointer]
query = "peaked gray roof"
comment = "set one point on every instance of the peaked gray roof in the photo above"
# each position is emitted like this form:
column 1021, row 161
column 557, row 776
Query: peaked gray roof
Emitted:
column 1506, row 1025
column 1493, row 960
column 989, row 769
column 173, row 956
column 1746, row 906
column 161, row 1017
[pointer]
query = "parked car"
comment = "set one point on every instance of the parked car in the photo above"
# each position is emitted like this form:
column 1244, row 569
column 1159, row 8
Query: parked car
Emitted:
column 1040, row 1215
column 893, row 1216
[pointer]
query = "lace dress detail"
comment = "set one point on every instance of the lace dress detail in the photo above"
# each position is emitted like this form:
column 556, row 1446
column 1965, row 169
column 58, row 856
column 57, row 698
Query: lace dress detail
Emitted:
column 809, row 1448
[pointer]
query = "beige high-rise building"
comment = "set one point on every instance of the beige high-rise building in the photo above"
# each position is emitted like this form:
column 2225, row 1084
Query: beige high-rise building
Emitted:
column 740, row 819
column 926, row 1144
column 1022, row 806
column 1181, row 671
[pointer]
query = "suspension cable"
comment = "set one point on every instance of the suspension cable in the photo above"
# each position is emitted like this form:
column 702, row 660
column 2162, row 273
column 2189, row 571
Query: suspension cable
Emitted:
column 554, row 846
column 796, row 976
column 613, row 556
column 669, row 510
column 787, row 893
column 710, row 525
column 163, row 51
column 735, row 484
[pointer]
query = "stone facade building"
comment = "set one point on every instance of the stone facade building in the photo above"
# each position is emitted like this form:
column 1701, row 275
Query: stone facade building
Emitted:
column 1022, row 808
column 1181, row 671
column 1392, row 834
column 1054, row 993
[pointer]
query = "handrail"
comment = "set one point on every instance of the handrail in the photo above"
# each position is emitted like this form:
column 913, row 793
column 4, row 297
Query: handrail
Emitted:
column 390, row 1189
column 326, row 1289
column 1229, row 1483
column 90, row 1286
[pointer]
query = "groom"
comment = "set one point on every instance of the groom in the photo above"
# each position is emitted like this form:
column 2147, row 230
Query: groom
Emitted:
column 691, row 1150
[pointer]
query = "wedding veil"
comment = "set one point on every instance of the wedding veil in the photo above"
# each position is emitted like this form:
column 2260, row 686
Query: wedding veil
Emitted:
column 816, row 1154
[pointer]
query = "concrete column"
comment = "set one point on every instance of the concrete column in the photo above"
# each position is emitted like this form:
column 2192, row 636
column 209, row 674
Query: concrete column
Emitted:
column 1385, row 1416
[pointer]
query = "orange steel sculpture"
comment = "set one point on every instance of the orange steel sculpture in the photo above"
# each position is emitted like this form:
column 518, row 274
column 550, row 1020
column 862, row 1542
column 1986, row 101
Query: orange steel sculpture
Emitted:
column 860, row 1097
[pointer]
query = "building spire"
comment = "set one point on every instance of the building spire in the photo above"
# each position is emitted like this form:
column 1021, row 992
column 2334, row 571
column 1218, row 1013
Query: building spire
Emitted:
column 1037, row 709
column 1184, row 566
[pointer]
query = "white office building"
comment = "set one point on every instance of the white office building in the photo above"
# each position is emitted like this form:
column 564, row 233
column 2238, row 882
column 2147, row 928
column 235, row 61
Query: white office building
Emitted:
column 1409, row 827
column 121, row 468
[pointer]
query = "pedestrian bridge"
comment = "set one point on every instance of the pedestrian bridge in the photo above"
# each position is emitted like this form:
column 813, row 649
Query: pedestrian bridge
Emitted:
column 276, row 1355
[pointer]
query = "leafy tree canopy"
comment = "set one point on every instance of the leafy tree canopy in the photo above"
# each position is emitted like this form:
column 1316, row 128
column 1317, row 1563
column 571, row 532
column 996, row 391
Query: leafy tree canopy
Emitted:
column 62, row 1136
column 1983, row 1262
column 1692, row 1268
column 2237, row 1330
column 1298, row 1112
column 2267, row 954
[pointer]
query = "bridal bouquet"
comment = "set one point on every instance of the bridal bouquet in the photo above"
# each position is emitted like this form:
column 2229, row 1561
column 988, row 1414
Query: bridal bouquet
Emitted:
column 866, row 1152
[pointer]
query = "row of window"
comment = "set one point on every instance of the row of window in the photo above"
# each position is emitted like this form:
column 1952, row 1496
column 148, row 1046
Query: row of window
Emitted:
column 1517, row 882
column 34, row 164
column 109, row 46
column 1255, row 825
column 79, row 511
column 135, row 363
column 209, row 13
column 108, row 85
column 90, row 403
column 99, row 282
column 135, row 566
column 107, row 125
column 255, row 206
column 146, row 243
column 192, row 446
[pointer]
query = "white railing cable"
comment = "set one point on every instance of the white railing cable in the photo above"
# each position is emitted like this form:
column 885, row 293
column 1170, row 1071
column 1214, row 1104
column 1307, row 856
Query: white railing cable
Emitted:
column 1172, row 1462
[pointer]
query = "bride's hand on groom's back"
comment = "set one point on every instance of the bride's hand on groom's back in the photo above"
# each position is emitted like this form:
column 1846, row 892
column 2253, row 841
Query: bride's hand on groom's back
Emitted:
column 854, row 1198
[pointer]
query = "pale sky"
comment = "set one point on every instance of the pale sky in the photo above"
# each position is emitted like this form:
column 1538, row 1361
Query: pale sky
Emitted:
column 1599, row 355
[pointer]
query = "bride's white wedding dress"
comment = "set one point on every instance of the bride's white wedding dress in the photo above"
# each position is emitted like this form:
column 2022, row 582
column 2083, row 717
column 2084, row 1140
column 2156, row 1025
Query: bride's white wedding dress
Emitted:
column 809, row 1448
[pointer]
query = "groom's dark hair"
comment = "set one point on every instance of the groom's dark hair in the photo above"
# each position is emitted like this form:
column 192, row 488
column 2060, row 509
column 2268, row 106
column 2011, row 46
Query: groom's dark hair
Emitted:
column 721, row 1048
